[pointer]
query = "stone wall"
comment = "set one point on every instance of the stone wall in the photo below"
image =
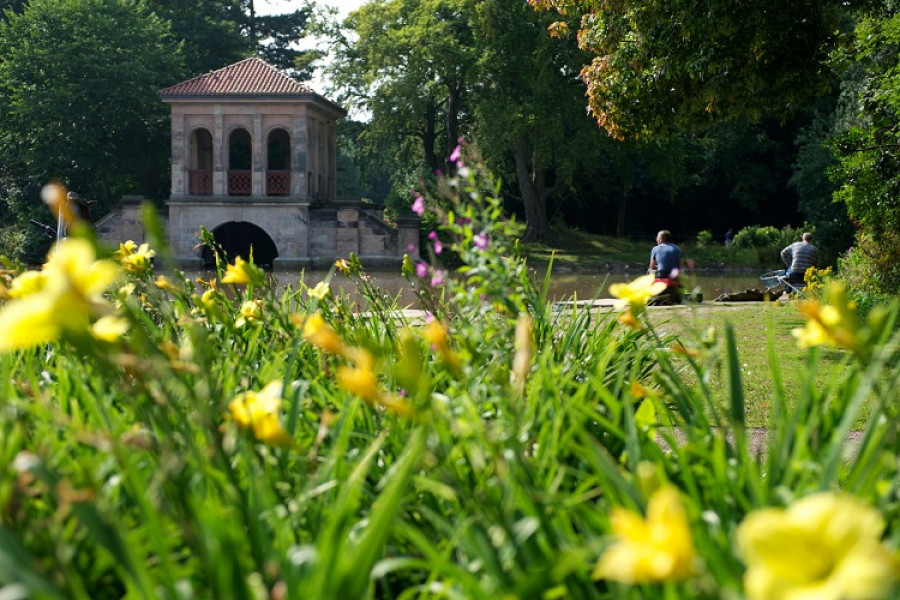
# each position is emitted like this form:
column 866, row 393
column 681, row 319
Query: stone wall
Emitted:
column 305, row 235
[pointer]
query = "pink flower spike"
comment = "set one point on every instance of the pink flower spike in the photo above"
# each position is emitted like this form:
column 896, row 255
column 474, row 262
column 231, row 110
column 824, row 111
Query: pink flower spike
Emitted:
column 432, row 236
column 418, row 206
column 437, row 278
column 429, row 317
column 481, row 241
column 455, row 155
column 421, row 269
column 438, row 247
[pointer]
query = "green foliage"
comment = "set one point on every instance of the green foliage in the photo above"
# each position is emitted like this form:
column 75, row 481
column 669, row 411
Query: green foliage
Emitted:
column 78, row 102
column 870, row 269
column 866, row 145
column 485, row 454
column 660, row 66
column 705, row 238
column 757, row 236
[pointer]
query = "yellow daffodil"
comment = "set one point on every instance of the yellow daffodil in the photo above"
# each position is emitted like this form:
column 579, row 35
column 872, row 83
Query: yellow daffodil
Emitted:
column 135, row 259
column 318, row 333
column 64, row 298
column 826, row 546
column 658, row 548
column 320, row 292
column 242, row 272
column 360, row 380
column 259, row 412
column 109, row 328
column 636, row 294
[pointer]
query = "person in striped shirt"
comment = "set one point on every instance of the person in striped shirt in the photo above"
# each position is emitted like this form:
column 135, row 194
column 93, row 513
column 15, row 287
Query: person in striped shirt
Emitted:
column 800, row 256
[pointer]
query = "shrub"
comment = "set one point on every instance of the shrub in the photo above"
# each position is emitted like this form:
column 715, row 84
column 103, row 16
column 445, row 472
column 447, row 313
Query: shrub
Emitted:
column 704, row 239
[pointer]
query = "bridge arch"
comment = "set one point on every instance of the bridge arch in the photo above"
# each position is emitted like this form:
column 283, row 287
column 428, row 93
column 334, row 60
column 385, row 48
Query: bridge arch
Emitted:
column 237, row 239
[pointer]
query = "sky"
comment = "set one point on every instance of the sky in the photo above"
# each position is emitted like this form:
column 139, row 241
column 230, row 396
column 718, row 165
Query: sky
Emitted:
column 344, row 7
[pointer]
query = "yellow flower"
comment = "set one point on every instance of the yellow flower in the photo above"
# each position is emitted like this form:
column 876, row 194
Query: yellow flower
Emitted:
column 343, row 265
column 109, row 328
column 361, row 379
column 321, row 291
column 251, row 311
column 70, row 295
column 258, row 411
column 318, row 333
column 164, row 284
column 28, row 283
column 436, row 334
column 135, row 259
column 835, row 324
column 242, row 272
column 636, row 294
column 658, row 548
column 628, row 318
column 825, row 546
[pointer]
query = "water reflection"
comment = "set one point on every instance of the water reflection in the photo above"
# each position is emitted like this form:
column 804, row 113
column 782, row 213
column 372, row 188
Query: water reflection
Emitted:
column 563, row 286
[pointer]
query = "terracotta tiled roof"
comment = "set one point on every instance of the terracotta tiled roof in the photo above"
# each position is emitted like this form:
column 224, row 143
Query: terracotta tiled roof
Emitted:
column 249, row 77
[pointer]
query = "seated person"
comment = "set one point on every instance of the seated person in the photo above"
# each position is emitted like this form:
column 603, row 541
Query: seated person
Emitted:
column 799, row 257
column 666, row 261
column 665, row 258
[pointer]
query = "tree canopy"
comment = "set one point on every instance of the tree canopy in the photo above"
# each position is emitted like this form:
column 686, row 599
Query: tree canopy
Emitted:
column 660, row 66
column 78, row 82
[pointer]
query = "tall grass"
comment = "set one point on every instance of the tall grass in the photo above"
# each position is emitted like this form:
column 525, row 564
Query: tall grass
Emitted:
column 481, row 451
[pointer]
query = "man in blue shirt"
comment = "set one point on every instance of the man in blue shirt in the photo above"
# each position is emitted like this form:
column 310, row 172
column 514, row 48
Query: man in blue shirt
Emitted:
column 665, row 256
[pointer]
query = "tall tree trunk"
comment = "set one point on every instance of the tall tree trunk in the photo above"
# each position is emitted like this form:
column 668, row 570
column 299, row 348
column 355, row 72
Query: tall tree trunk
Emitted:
column 533, row 192
column 429, row 138
column 453, row 100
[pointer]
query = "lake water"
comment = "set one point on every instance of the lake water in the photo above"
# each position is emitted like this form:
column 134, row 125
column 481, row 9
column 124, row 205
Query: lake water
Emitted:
column 563, row 286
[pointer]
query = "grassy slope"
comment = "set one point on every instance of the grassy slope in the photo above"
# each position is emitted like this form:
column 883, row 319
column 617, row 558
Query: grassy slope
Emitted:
column 577, row 250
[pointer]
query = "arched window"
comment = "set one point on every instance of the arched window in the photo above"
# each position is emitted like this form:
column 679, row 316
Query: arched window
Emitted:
column 240, row 163
column 200, row 171
column 278, row 163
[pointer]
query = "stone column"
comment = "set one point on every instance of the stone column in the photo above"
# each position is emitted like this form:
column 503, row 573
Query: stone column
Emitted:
column 299, row 144
column 408, row 225
column 220, row 154
column 258, row 172
column 179, row 173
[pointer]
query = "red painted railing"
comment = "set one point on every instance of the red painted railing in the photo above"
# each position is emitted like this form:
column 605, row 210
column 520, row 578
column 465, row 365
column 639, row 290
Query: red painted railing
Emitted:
column 200, row 183
column 240, row 183
column 278, row 183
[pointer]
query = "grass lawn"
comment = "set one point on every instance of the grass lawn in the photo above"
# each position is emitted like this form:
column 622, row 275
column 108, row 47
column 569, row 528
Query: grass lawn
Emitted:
column 756, row 325
column 576, row 250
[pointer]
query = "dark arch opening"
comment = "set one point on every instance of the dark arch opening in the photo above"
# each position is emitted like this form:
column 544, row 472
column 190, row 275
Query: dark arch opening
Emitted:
column 236, row 239
column 240, row 150
column 278, row 151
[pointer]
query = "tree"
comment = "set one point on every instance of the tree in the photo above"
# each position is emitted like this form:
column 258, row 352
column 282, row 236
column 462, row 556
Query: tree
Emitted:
column 528, row 104
column 407, row 63
column 78, row 82
column 659, row 66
